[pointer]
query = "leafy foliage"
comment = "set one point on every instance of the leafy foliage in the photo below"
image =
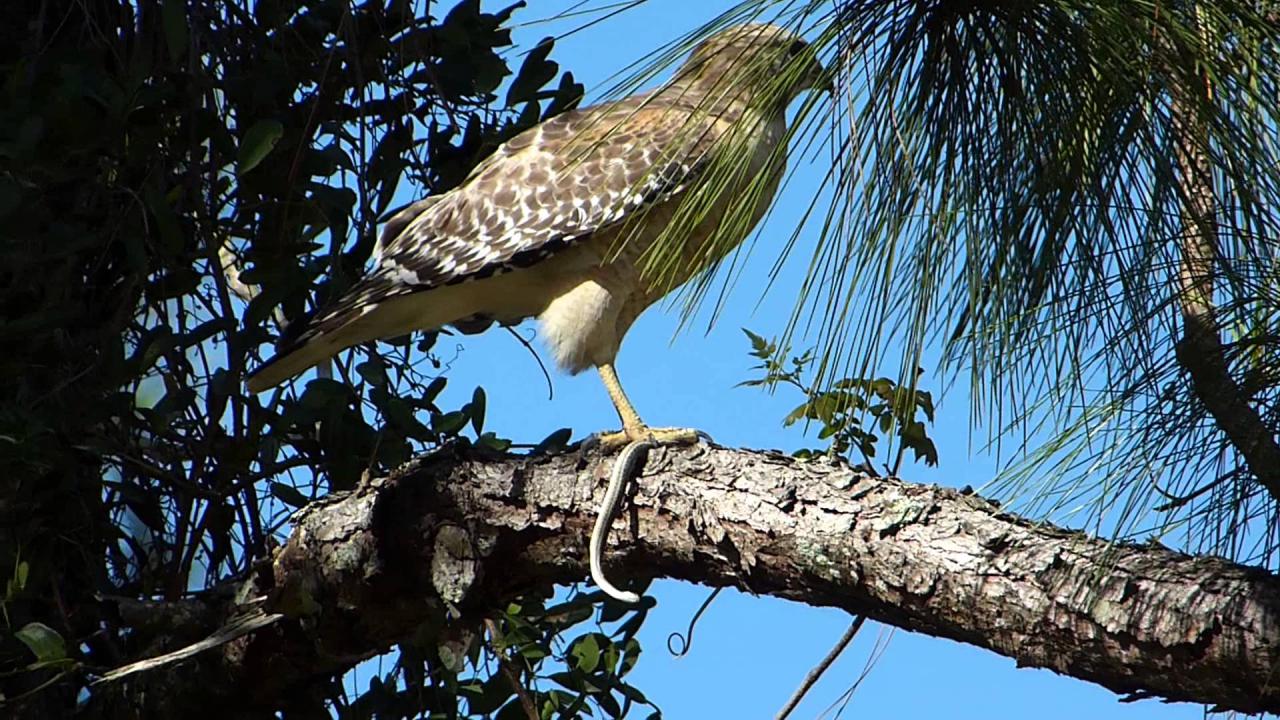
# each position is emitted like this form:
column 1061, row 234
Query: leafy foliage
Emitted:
column 852, row 411
column 179, row 179
column 451, row 669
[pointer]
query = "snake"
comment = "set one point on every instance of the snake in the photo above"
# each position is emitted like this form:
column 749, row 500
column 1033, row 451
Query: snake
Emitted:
column 624, row 470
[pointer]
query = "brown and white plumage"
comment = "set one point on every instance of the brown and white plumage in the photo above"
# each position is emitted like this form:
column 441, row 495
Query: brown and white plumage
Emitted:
column 554, row 224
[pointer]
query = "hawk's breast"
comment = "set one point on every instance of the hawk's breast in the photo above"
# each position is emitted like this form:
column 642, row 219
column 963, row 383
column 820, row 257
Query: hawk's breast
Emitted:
column 630, row 267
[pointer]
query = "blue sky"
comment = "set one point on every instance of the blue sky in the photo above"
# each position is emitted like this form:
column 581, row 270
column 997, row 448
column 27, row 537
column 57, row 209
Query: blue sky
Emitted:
column 751, row 652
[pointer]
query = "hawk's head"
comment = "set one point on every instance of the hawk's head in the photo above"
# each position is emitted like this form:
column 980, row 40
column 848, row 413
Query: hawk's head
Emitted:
column 759, row 63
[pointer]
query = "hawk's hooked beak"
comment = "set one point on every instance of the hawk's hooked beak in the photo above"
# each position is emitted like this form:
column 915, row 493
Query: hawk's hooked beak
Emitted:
column 820, row 78
column 816, row 76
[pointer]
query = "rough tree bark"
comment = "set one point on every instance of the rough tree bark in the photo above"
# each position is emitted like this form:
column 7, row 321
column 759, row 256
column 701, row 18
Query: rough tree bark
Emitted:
column 360, row 572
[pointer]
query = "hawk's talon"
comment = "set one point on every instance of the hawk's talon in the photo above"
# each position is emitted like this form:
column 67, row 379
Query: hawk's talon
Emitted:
column 611, row 442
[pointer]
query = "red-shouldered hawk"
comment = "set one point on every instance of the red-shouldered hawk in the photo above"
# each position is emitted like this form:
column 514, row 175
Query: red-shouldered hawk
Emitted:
column 557, row 223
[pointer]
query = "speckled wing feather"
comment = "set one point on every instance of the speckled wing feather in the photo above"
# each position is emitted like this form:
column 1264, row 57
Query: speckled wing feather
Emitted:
column 547, row 188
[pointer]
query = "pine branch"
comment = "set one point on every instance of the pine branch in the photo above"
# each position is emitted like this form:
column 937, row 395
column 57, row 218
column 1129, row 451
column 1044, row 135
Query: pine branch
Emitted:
column 1200, row 350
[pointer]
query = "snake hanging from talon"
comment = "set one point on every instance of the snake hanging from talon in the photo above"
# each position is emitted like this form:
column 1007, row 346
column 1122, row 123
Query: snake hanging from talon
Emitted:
column 625, row 469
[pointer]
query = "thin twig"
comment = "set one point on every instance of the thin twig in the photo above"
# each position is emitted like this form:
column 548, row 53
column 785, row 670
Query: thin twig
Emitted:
column 680, row 645
column 812, row 678
column 510, row 673
column 873, row 657
column 234, row 628
column 551, row 390
column 16, row 699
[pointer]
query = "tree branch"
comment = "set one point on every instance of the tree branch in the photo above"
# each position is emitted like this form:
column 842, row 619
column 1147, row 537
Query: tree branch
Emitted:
column 1200, row 350
column 362, row 571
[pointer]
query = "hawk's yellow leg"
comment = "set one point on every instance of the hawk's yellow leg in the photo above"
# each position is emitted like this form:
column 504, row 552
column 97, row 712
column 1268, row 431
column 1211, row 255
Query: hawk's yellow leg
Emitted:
column 633, row 428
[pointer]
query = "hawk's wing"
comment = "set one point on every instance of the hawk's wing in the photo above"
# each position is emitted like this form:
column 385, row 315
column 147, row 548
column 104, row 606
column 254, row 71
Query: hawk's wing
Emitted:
column 556, row 183
column 551, row 186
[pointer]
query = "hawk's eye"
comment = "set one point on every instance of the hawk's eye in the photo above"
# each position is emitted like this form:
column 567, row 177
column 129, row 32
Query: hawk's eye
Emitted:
column 797, row 47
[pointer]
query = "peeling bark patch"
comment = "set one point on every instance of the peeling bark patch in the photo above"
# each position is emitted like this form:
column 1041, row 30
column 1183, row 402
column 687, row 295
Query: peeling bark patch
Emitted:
column 901, row 513
column 455, row 563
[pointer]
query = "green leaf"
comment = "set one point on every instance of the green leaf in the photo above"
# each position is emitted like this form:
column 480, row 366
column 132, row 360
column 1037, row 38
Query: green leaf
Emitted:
column 628, row 629
column 453, row 655
column 484, row 698
column 568, row 680
column 795, row 415
column 554, row 442
column 535, row 72
column 613, row 610
column 632, row 693
column 609, row 705
column 567, row 95
column 289, row 495
column 493, row 442
column 223, row 382
column 18, row 582
column 568, row 614
column 144, row 505
column 449, row 423
column 533, row 652
column 476, row 410
column 43, row 641
column 925, row 401
column 914, row 436
column 586, row 651
column 630, row 656
column 530, row 115
column 759, row 346
column 334, row 202
column 386, row 167
column 399, row 414
column 258, row 142
column 324, row 393
column 559, row 698
column 610, row 653
column 205, row 330
column 427, row 342
column 373, row 371
column 433, row 389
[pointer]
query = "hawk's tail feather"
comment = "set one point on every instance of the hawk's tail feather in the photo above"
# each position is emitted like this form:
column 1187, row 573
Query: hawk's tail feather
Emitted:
column 286, row 365
column 313, row 338
column 381, row 305
column 370, row 310
column 295, row 361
